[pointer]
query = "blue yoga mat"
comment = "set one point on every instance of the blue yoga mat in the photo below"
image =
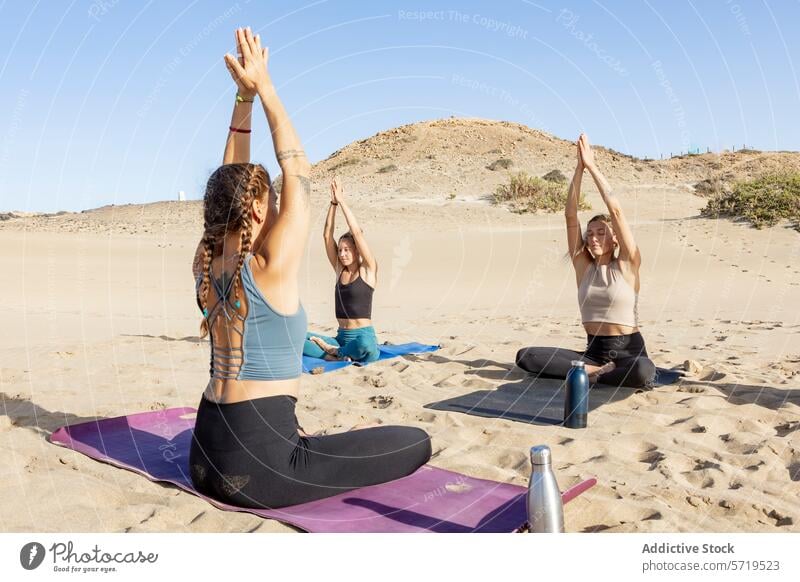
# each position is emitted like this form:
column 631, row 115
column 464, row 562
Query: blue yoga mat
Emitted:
column 387, row 351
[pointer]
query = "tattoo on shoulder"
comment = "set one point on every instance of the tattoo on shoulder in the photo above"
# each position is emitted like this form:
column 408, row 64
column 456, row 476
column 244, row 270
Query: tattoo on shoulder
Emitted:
column 286, row 154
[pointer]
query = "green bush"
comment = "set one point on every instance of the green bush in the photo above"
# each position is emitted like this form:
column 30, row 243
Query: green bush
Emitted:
column 526, row 193
column 714, row 185
column 763, row 201
column 385, row 169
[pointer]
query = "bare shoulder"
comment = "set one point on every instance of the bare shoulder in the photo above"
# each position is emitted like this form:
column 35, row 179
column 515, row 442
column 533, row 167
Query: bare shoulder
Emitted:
column 370, row 277
column 581, row 262
column 630, row 271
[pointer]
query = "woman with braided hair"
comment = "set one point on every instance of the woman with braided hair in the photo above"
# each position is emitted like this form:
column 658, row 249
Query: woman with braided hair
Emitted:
column 248, row 449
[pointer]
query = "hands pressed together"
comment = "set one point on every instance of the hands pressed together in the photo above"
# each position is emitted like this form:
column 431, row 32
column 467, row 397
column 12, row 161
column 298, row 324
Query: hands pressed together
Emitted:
column 337, row 192
column 585, row 154
column 249, row 69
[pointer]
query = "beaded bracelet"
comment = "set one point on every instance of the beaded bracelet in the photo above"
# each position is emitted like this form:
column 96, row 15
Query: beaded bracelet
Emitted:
column 237, row 130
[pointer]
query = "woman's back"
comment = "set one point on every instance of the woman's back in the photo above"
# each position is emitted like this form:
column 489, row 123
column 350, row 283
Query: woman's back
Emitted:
column 255, row 349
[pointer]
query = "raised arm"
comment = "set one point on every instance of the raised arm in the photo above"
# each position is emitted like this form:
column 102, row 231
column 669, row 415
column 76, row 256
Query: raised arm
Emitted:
column 327, row 234
column 574, row 234
column 284, row 244
column 237, row 144
column 358, row 235
column 628, row 250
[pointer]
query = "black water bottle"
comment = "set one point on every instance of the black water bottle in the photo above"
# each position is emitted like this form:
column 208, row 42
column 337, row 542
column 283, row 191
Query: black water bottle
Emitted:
column 576, row 402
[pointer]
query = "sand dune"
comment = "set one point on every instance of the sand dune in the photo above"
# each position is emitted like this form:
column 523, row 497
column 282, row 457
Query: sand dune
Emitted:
column 103, row 323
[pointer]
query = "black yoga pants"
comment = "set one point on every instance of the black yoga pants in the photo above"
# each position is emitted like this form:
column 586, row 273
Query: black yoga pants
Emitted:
column 249, row 454
column 633, row 366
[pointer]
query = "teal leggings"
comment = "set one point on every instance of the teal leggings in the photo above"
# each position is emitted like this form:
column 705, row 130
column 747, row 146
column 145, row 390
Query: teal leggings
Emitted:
column 360, row 345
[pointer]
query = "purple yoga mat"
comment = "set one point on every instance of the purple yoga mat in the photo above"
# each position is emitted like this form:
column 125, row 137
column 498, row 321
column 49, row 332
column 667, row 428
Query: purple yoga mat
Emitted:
column 156, row 445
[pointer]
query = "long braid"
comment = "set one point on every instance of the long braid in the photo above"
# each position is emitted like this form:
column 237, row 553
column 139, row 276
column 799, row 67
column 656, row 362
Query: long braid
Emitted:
column 246, row 201
column 208, row 250
column 228, row 207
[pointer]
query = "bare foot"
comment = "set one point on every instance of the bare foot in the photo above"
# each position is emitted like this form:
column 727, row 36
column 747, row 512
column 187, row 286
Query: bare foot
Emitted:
column 330, row 350
column 597, row 371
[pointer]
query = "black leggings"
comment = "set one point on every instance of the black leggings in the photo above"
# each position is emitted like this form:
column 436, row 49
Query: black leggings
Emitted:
column 634, row 367
column 249, row 454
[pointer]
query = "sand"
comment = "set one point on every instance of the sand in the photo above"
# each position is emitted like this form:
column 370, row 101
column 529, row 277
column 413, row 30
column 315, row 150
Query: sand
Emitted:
column 103, row 323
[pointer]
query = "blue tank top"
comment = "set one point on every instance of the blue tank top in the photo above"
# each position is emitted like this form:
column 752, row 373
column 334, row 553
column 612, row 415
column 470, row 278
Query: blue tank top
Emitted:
column 272, row 343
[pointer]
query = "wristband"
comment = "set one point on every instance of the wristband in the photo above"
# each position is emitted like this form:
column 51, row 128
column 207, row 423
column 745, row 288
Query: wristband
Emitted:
column 334, row 204
column 240, row 99
column 237, row 130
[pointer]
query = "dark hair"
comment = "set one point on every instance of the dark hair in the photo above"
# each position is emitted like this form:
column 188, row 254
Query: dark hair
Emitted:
column 348, row 236
column 227, row 206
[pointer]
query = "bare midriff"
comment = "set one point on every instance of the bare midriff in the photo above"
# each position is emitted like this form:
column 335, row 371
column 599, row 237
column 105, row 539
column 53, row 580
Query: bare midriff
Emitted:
column 354, row 323
column 223, row 391
column 603, row 328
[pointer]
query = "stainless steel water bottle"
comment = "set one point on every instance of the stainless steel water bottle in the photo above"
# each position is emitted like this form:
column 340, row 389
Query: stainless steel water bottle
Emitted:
column 545, row 509
column 576, row 401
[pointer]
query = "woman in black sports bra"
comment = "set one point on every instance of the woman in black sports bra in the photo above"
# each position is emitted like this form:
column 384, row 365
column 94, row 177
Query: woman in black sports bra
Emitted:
column 356, row 276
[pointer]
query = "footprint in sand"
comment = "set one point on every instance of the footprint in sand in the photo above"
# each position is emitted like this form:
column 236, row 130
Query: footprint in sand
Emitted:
column 477, row 384
column 691, row 389
column 787, row 428
column 653, row 457
column 379, row 401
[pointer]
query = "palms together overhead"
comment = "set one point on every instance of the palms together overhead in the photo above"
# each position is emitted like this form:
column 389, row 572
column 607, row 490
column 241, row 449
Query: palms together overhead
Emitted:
column 249, row 70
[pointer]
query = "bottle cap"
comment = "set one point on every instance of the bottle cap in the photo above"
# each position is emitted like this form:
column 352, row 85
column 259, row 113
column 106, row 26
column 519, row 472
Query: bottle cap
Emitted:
column 540, row 455
column 578, row 363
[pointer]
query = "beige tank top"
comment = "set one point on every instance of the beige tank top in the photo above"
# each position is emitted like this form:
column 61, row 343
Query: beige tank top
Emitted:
column 605, row 296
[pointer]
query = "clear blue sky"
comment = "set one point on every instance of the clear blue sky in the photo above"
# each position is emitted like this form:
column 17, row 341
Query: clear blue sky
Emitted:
column 116, row 101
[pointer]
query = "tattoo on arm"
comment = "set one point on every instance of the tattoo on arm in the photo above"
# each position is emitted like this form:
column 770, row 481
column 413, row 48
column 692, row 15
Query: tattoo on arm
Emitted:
column 286, row 154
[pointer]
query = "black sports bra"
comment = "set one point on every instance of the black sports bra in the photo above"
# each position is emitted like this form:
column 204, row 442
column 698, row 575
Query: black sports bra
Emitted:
column 354, row 300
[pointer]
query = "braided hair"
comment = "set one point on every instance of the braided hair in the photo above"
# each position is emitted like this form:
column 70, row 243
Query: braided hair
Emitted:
column 227, row 207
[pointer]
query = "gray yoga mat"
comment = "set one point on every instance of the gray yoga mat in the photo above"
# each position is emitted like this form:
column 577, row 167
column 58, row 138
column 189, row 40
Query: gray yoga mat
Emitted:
column 535, row 400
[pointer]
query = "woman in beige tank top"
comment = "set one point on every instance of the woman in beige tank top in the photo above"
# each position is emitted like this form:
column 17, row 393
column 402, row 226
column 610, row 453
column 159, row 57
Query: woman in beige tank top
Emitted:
column 606, row 261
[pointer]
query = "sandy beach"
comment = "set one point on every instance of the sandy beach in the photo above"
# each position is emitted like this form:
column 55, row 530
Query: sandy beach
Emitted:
column 103, row 323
